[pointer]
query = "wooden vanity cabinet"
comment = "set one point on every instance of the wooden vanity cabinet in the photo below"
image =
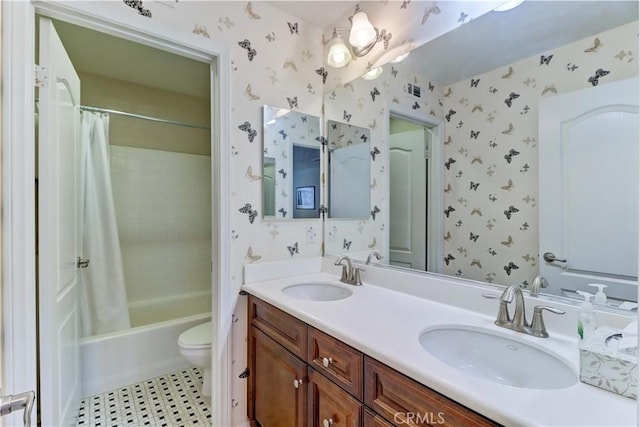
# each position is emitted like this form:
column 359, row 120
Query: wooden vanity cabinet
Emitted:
column 277, row 384
column 302, row 377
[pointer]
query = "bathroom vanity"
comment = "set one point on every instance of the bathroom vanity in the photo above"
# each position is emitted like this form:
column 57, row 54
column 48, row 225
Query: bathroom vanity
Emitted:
column 354, row 356
column 301, row 376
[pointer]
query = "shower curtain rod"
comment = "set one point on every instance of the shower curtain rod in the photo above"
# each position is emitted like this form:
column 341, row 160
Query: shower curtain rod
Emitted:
column 139, row 116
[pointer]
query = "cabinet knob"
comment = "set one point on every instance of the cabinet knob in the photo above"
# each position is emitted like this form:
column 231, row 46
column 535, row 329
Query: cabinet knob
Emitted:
column 327, row 422
column 297, row 383
column 326, row 361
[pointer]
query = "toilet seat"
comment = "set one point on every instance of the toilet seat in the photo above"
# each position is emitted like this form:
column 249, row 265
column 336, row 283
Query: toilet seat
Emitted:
column 196, row 337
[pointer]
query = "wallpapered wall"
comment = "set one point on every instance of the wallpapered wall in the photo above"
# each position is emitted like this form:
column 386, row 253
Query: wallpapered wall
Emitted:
column 491, row 175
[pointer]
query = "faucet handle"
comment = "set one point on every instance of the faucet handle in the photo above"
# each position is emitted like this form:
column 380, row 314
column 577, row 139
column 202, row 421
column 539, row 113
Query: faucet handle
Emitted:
column 344, row 277
column 503, row 317
column 355, row 279
column 537, row 323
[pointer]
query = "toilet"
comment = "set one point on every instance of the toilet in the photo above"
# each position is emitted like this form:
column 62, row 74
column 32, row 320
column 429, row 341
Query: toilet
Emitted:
column 195, row 347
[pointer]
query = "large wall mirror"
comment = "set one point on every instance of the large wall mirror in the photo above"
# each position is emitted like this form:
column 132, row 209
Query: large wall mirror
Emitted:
column 477, row 93
column 291, row 164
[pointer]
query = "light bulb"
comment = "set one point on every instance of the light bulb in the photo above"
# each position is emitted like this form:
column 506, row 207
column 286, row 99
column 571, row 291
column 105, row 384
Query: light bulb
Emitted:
column 362, row 32
column 339, row 54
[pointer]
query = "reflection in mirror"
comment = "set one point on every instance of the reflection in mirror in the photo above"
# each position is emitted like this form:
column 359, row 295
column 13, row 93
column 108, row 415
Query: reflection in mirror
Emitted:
column 491, row 227
column 348, row 171
column 408, row 191
column 291, row 164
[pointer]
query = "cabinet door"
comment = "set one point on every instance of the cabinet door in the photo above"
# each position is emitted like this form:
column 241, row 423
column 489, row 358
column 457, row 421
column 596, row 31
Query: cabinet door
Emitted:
column 277, row 384
column 331, row 406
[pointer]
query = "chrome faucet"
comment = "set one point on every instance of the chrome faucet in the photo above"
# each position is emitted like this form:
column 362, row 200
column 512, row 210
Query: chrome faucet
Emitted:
column 538, row 283
column 373, row 254
column 350, row 274
column 519, row 322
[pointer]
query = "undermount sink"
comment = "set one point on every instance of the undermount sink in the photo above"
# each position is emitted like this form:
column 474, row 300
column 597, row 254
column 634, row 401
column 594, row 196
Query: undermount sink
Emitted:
column 317, row 291
column 495, row 358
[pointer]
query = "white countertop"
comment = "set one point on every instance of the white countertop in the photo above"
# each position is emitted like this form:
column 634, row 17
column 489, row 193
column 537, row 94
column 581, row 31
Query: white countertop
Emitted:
column 386, row 324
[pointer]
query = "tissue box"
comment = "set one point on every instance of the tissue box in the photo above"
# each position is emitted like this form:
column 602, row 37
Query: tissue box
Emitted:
column 602, row 365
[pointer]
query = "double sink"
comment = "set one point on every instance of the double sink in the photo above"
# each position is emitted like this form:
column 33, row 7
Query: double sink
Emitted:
column 479, row 352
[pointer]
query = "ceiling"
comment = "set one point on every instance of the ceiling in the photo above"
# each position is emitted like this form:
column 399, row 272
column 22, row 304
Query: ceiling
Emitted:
column 99, row 53
column 499, row 38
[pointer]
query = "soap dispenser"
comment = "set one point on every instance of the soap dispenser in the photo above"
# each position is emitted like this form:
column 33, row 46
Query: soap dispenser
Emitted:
column 600, row 298
column 586, row 316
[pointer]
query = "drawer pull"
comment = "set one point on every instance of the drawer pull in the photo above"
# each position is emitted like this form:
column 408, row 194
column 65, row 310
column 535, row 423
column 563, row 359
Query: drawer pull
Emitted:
column 326, row 361
column 297, row 383
column 327, row 422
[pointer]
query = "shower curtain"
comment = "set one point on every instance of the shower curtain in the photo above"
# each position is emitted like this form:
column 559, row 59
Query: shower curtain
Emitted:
column 105, row 299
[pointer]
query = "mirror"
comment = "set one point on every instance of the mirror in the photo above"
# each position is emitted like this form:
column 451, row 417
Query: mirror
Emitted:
column 348, row 164
column 291, row 164
column 485, row 94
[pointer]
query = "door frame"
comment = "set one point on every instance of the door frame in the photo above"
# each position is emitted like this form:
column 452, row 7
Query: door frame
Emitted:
column 435, row 177
column 19, row 361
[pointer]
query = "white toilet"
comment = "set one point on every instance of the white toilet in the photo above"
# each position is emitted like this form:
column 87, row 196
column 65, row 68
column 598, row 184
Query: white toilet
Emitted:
column 195, row 346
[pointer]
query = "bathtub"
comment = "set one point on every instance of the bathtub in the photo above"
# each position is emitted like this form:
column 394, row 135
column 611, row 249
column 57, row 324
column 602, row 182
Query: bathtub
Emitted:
column 148, row 349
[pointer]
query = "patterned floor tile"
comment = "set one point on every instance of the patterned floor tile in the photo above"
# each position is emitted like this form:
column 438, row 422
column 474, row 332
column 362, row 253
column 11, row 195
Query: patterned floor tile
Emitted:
column 171, row 400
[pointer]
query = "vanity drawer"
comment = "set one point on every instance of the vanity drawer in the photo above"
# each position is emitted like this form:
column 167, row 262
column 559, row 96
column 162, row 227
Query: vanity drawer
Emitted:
column 329, row 405
column 338, row 361
column 373, row 420
column 403, row 401
column 286, row 330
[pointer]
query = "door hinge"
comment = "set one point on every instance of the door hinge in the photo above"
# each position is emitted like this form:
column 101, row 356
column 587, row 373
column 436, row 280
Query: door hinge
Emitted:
column 41, row 76
column 244, row 373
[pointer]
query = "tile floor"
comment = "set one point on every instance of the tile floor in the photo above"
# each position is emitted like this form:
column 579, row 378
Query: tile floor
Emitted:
column 171, row 400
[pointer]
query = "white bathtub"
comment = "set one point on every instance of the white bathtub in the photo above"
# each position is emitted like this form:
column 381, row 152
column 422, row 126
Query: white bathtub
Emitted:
column 147, row 350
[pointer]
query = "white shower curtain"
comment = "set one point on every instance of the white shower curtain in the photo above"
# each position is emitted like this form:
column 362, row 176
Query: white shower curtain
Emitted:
column 105, row 299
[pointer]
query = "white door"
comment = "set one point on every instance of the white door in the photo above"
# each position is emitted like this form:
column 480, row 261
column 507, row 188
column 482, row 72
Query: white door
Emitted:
column 59, row 237
column 408, row 199
column 588, row 178
column 349, row 170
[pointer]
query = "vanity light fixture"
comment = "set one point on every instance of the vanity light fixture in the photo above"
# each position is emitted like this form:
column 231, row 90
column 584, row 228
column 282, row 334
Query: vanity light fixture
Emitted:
column 363, row 36
column 508, row 5
column 373, row 73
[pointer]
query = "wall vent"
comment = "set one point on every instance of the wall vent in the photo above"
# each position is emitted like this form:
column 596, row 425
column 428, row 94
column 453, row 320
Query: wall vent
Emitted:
column 414, row 91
